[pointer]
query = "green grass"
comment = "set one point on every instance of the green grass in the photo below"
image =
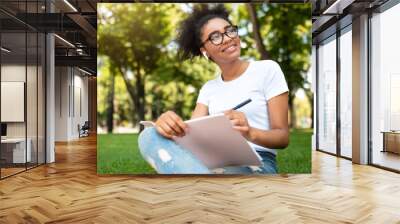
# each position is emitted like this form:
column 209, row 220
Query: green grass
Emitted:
column 296, row 158
column 119, row 154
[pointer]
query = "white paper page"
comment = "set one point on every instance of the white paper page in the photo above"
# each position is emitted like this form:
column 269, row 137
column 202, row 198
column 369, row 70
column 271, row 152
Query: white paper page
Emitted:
column 213, row 140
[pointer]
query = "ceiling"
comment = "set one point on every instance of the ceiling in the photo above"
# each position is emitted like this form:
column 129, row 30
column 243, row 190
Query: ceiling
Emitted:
column 74, row 22
column 330, row 15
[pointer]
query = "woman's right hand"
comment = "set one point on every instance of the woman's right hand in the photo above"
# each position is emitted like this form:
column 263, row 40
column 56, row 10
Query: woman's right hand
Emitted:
column 169, row 124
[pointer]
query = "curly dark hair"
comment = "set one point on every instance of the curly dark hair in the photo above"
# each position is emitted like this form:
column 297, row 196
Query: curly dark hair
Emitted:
column 190, row 29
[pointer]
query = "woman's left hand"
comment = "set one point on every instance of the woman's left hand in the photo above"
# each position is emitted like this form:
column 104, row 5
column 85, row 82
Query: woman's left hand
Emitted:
column 239, row 122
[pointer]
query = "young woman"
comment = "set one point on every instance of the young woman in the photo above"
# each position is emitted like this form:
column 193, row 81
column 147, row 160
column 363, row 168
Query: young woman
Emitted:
column 208, row 33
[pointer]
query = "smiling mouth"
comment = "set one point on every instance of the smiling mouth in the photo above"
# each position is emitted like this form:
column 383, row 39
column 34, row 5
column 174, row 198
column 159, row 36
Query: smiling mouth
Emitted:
column 230, row 48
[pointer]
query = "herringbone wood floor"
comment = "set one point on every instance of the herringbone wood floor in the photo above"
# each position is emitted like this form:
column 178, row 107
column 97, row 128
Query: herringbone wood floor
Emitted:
column 69, row 191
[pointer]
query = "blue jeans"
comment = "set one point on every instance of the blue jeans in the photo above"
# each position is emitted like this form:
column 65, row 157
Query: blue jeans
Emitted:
column 167, row 157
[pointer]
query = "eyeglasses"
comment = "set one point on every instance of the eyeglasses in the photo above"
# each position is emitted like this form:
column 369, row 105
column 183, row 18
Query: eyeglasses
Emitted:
column 217, row 38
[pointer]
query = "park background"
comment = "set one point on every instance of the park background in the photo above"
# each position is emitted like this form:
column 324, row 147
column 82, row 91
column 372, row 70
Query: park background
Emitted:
column 140, row 77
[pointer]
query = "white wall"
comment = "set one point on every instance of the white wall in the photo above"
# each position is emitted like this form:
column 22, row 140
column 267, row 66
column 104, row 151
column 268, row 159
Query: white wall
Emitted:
column 61, row 103
column 71, row 94
column 12, row 97
column 33, row 126
column 10, row 73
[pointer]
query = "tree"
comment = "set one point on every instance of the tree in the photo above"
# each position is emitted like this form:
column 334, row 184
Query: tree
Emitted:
column 110, row 104
column 121, row 103
column 133, row 37
column 291, row 25
column 186, row 78
column 256, row 31
column 281, row 32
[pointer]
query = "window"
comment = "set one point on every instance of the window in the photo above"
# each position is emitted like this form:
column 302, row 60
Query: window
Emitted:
column 346, row 92
column 23, row 77
column 327, row 95
column 385, row 88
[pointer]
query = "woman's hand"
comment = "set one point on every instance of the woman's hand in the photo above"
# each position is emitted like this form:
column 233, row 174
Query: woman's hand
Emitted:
column 169, row 124
column 239, row 122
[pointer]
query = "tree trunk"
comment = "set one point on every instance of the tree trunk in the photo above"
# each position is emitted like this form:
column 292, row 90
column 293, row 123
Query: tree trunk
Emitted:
column 292, row 112
column 140, row 97
column 137, row 93
column 154, row 104
column 110, row 104
column 256, row 31
column 132, row 91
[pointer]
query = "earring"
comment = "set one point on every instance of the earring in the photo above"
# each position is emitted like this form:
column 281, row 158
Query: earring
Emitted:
column 205, row 54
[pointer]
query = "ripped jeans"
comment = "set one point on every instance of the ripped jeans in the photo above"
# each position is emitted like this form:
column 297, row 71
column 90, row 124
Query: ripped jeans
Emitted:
column 167, row 157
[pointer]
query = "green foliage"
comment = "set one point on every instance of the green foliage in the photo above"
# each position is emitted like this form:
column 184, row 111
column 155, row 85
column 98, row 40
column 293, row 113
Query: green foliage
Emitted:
column 122, row 102
column 132, row 34
column 136, row 42
column 286, row 32
column 177, row 85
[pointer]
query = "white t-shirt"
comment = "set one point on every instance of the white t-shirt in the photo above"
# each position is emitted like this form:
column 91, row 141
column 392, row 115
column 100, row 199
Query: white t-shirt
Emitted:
column 261, row 81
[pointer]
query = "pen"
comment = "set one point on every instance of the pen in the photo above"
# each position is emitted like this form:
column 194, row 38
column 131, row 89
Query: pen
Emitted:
column 241, row 104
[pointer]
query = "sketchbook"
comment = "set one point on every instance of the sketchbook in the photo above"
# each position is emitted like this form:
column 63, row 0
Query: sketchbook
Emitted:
column 213, row 141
